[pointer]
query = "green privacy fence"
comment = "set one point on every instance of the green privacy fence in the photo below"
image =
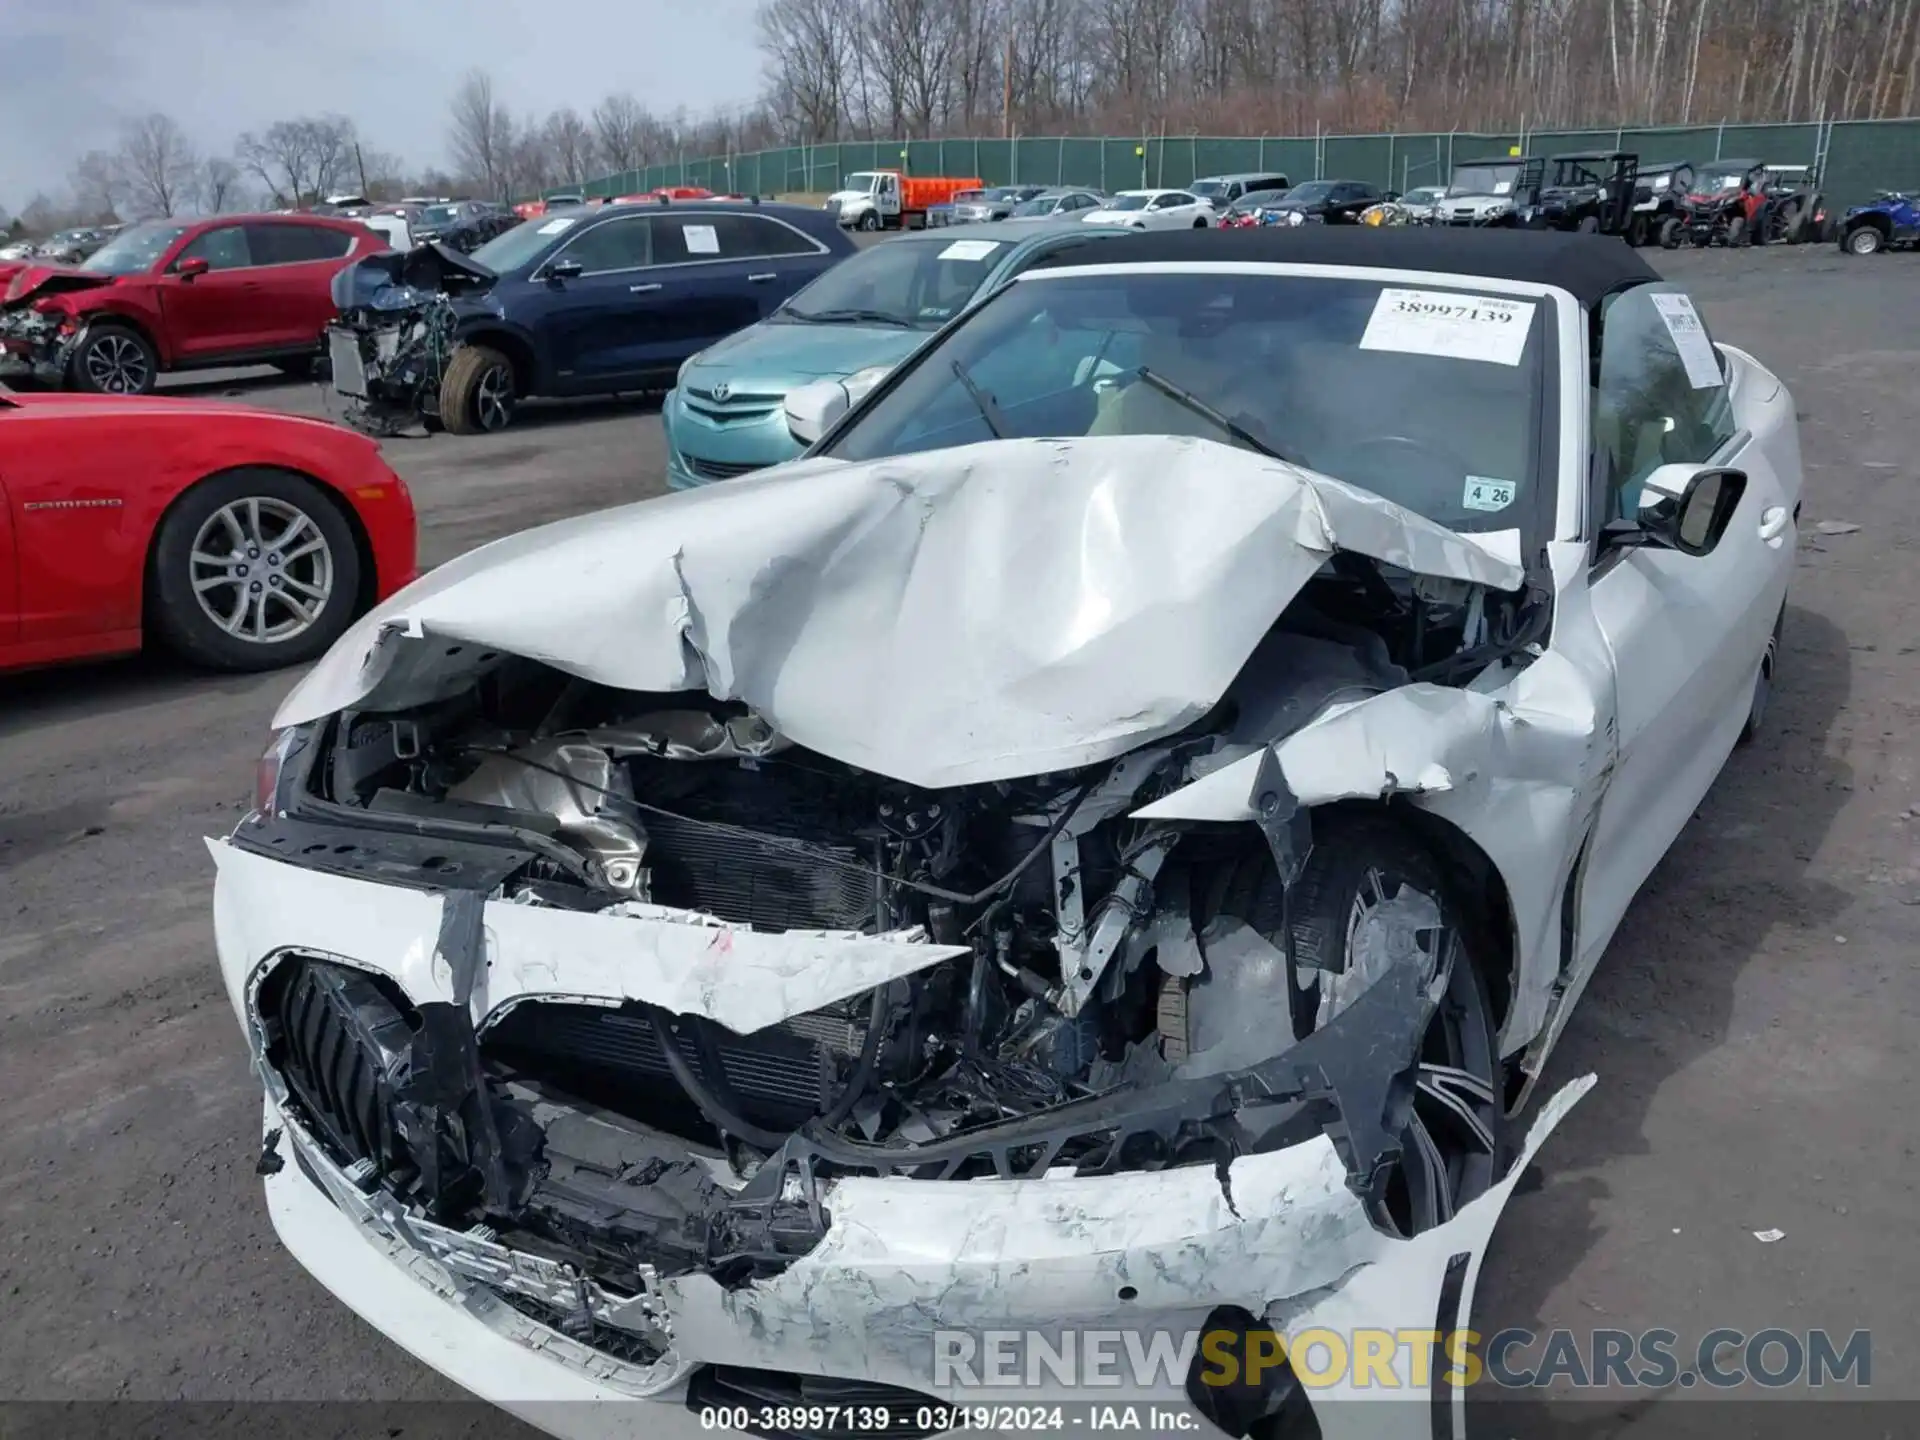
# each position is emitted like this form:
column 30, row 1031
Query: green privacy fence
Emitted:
column 1859, row 157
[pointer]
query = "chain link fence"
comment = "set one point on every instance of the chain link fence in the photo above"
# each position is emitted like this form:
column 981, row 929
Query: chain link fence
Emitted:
column 1858, row 157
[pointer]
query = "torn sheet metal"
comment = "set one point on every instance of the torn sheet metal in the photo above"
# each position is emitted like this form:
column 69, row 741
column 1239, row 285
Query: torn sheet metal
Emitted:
column 946, row 618
column 737, row 977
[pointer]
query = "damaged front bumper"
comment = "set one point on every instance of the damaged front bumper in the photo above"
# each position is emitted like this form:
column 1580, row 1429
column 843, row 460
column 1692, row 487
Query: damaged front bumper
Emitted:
column 36, row 343
column 891, row 1262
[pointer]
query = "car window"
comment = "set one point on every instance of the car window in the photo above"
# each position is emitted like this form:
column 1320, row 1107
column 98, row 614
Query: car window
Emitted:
column 624, row 244
column 134, row 250
column 743, row 237
column 1305, row 365
column 1661, row 395
column 295, row 244
column 223, row 248
column 1167, row 202
column 917, row 280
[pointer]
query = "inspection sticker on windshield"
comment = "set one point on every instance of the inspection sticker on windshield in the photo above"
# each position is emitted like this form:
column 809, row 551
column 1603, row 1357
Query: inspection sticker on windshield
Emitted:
column 1485, row 493
column 1690, row 339
column 701, row 239
column 1459, row 327
column 969, row 249
column 554, row 227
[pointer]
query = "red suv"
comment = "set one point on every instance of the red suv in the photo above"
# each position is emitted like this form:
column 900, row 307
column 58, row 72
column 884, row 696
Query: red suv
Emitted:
column 180, row 295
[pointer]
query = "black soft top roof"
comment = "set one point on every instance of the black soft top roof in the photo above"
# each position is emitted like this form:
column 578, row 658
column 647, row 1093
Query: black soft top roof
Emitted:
column 1591, row 267
column 1593, row 155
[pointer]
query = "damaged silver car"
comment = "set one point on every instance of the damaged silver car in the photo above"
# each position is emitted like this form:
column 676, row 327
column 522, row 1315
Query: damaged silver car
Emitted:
column 1107, row 840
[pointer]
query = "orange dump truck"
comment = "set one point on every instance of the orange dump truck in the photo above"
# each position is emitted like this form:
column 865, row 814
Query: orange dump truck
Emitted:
column 889, row 200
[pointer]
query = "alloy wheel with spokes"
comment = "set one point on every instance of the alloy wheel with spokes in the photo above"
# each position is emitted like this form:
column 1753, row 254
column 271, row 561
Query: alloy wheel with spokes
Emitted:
column 115, row 361
column 262, row 571
column 493, row 398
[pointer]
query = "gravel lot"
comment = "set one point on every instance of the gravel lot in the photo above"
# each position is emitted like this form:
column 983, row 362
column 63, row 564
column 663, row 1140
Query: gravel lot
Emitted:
column 1752, row 1028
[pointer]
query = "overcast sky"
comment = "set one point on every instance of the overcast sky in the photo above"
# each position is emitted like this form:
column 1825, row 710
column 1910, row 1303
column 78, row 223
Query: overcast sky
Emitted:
column 71, row 70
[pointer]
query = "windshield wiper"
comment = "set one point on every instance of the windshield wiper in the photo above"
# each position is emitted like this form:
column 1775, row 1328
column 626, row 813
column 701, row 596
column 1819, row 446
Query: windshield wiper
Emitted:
column 851, row 317
column 1206, row 412
column 989, row 408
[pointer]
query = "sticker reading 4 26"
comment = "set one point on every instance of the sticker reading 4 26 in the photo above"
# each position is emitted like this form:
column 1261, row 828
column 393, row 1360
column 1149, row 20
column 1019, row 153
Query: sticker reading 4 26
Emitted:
column 1457, row 327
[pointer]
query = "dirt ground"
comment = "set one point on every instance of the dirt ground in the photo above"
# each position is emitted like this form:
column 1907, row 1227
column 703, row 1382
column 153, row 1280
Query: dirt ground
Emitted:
column 1752, row 1028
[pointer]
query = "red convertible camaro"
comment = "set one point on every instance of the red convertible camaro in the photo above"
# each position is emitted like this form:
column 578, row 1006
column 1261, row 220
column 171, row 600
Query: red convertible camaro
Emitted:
column 239, row 538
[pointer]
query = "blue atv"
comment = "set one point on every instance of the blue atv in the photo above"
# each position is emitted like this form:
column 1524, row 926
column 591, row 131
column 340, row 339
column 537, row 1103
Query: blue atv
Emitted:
column 1889, row 221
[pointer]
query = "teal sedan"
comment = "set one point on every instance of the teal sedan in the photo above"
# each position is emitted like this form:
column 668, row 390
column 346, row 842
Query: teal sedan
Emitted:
column 724, row 416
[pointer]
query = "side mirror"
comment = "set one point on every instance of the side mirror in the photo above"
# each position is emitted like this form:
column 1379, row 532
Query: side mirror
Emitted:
column 1683, row 507
column 565, row 270
column 188, row 268
column 813, row 409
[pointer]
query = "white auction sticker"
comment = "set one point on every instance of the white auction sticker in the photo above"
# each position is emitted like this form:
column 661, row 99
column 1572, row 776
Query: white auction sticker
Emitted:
column 1690, row 339
column 1485, row 493
column 969, row 249
column 1459, row 327
column 554, row 227
column 701, row 239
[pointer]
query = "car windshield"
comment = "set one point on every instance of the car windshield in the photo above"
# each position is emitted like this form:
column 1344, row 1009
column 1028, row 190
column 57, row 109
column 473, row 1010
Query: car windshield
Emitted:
column 1128, row 202
column 1312, row 191
column 134, row 250
column 1713, row 180
column 1209, row 189
column 1297, row 366
column 1484, row 180
column 440, row 215
column 1039, row 205
column 921, row 282
column 1255, row 199
column 1424, row 195
column 1005, row 192
column 516, row 247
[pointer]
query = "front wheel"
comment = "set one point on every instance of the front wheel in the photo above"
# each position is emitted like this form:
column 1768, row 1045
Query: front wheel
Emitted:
column 1670, row 233
column 1369, row 892
column 477, row 392
column 1763, row 682
column 1589, row 225
column 114, row 360
column 252, row 570
column 1862, row 240
column 870, row 221
column 1737, row 232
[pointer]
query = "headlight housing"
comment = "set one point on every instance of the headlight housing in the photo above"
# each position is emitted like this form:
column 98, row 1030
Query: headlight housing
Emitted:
column 270, row 768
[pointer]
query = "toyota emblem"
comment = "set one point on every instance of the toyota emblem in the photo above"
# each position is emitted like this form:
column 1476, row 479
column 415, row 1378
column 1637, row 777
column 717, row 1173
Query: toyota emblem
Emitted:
column 722, row 391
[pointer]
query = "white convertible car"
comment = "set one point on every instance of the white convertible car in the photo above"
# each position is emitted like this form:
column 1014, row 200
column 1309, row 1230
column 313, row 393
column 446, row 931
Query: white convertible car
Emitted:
column 1107, row 841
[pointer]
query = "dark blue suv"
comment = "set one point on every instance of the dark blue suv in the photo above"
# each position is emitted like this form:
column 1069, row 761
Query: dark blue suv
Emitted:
column 595, row 300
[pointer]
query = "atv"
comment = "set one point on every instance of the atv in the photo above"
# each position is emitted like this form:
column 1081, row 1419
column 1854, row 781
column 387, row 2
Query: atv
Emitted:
column 1659, row 203
column 1793, row 209
column 1592, row 193
column 1889, row 221
column 1720, row 209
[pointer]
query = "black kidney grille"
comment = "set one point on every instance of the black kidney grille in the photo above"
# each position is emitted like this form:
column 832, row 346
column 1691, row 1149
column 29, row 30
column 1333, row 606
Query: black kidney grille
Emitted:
column 342, row 1046
column 757, row 881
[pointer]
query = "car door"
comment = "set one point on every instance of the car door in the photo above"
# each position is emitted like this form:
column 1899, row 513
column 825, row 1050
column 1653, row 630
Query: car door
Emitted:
column 606, row 325
column 1687, row 632
column 219, row 311
column 774, row 259
column 1167, row 211
column 9, row 567
column 712, row 293
column 295, row 264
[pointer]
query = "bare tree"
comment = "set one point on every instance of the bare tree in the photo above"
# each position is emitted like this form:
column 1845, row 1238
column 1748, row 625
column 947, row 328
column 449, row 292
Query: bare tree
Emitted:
column 300, row 161
column 568, row 142
column 99, row 187
column 618, row 123
column 158, row 165
column 812, row 64
column 219, row 183
column 482, row 134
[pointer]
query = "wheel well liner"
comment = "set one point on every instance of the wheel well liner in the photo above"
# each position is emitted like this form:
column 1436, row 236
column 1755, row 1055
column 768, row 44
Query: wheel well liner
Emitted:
column 92, row 319
column 362, row 544
column 518, row 351
column 1873, row 221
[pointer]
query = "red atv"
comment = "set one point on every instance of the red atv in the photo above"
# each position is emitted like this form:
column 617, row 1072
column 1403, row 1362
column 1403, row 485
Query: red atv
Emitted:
column 1749, row 202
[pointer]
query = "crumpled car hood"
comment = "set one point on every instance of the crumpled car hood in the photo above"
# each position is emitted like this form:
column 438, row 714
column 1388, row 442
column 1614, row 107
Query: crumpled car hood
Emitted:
column 953, row 617
column 36, row 280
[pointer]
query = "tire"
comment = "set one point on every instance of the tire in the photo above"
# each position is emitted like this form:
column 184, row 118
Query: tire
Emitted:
column 870, row 221
column 1862, row 240
column 1323, row 920
column 1793, row 225
column 1638, row 231
column 1738, row 232
column 477, row 392
column 114, row 360
column 1763, row 682
column 1589, row 225
column 1670, row 233
column 241, row 517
